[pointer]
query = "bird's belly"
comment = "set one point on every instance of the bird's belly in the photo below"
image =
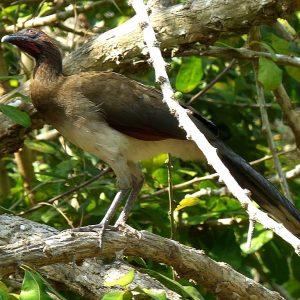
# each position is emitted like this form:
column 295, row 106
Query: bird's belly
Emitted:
column 109, row 144
column 140, row 149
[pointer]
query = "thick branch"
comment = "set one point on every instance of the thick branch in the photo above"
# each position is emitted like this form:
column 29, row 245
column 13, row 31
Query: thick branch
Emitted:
column 182, row 24
column 88, row 277
column 72, row 246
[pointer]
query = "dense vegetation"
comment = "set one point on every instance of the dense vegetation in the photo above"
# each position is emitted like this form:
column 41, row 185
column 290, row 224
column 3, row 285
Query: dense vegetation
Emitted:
column 215, row 222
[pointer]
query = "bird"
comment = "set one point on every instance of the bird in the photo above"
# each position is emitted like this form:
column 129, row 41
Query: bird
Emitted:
column 122, row 121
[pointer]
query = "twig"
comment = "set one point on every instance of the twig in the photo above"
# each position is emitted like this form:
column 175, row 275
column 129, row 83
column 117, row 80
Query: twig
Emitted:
column 266, row 124
column 71, row 191
column 213, row 82
column 59, row 211
column 194, row 133
column 238, row 104
column 240, row 53
column 54, row 18
column 171, row 197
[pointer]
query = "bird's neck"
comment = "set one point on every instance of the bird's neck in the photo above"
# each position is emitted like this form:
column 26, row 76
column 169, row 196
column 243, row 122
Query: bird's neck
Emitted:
column 47, row 68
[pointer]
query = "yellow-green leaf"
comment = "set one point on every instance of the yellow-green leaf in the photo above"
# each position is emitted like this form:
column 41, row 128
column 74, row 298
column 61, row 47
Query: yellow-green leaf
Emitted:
column 187, row 202
column 115, row 295
column 124, row 280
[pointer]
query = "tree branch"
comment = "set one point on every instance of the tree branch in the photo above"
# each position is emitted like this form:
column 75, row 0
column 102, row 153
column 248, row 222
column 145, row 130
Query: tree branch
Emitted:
column 86, row 278
column 73, row 246
column 182, row 24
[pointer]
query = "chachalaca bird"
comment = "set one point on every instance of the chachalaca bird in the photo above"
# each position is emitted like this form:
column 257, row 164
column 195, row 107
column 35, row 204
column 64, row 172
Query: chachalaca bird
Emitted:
column 122, row 122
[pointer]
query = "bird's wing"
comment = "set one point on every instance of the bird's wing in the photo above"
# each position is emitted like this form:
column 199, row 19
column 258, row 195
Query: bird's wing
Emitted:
column 132, row 108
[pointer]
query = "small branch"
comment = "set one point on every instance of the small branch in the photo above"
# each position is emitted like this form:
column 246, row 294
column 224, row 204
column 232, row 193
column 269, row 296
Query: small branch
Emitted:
column 265, row 122
column 69, row 192
column 171, row 198
column 238, row 53
column 54, row 18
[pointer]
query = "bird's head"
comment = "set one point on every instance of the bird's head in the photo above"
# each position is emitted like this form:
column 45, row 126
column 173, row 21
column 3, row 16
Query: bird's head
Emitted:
column 34, row 42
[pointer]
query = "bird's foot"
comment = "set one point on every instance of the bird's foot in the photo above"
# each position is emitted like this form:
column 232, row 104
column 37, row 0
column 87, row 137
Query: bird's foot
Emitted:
column 98, row 228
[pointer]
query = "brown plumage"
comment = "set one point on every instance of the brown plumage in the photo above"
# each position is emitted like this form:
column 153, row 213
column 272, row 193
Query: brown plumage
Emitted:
column 122, row 121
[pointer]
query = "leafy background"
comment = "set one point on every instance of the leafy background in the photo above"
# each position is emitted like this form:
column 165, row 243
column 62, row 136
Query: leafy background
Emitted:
column 49, row 167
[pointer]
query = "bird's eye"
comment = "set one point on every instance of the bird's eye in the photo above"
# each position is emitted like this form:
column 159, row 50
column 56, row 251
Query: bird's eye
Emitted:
column 32, row 33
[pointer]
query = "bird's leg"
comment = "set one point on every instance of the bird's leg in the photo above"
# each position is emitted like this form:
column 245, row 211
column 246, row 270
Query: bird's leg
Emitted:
column 110, row 212
column 136, row 188
column 113, row 207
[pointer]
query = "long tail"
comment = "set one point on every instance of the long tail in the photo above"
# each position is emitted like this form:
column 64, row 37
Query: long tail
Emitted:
column 262, row 191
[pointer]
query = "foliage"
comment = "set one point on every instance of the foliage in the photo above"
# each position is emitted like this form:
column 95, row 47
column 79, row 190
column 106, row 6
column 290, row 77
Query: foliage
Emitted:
column 200, row 222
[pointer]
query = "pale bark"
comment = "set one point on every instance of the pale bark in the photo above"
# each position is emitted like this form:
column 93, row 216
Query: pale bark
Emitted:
column 42, row 247
column 86, row 278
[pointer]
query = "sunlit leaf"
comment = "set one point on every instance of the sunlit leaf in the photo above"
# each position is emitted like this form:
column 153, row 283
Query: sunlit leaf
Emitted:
column 187, row 202
column 156, row 295
column 33, row 288
column 124, row 280
column 115, row 295
column 4, row 292
column 194, row 292
column 189, row 74
column 172, row 284
column 258, row 241
column 40, row 146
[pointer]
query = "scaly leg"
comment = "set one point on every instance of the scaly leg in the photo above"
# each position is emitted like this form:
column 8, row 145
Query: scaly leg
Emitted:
column 136, row 188
column 110, row 212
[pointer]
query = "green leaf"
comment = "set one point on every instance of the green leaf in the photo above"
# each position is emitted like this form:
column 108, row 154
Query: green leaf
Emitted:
column 24, row 97
column 16, row 115
column 269, row 74
column 116, row 295
column 37, row 285
column 123, row 281
column 294, row 72
column 193, row 291
column 171, row 284
column 33, row 287
column 258, row 241
column 156, row 295
column 40, row 146
column 189, row 74
column 280, row 45
column 4, row 292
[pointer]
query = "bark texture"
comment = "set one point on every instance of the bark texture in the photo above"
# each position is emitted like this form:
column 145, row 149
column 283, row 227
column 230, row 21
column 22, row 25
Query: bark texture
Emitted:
column 47, row 247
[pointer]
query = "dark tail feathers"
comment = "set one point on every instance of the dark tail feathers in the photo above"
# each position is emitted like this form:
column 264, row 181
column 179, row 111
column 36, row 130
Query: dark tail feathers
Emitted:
column 262, row 191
